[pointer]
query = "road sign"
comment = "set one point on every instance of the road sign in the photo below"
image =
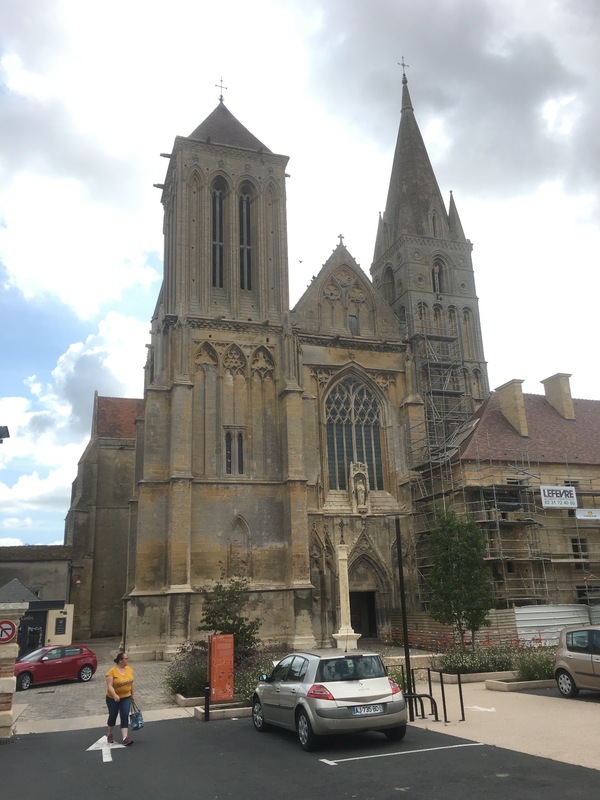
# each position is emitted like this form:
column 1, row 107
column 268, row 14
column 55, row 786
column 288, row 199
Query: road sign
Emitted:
column 8, row 631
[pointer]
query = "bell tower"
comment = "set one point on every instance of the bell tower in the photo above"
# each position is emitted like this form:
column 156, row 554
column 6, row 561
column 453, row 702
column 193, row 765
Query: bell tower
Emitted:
column 225, row 225
column 220, row 478
column 422, row 265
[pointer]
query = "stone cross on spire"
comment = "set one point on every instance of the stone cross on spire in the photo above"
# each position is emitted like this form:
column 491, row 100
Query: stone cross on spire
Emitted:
column 404, row 66
column 221, row 87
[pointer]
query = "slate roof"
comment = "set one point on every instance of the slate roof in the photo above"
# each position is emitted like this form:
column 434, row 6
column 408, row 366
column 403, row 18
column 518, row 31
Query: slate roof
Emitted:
column 551, row 439
column 16, row 592
column 221, row 127
column 36, row 552
column 116, row 416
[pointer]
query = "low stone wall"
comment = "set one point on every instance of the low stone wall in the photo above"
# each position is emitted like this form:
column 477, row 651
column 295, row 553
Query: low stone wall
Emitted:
column 416, row 662
column 518, row 686
column 473, row 677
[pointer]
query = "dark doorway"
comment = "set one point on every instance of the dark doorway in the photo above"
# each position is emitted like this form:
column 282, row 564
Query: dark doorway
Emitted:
column 362, row 613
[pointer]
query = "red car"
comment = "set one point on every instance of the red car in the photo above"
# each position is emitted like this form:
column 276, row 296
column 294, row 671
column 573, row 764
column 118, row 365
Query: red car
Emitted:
column 55, row 663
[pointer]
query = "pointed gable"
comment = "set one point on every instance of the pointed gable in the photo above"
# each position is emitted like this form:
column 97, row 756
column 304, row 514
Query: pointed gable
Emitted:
column 221, row 127
column 342, row 301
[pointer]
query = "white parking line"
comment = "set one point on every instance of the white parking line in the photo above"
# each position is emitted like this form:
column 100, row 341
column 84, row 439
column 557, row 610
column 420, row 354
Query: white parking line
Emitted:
column 402, row 753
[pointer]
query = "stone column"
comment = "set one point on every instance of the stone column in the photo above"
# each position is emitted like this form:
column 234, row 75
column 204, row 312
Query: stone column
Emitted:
column 346, row 638
column 9, row 650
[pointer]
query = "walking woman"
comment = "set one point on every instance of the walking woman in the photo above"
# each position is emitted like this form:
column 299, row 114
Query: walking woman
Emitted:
column 119, row 694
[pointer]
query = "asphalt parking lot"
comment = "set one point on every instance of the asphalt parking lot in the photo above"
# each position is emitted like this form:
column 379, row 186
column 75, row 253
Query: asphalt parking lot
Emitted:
column 526, row 745
column 228, row 758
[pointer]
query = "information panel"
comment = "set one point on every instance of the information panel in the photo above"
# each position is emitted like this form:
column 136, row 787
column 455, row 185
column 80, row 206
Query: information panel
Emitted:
column 220, row 655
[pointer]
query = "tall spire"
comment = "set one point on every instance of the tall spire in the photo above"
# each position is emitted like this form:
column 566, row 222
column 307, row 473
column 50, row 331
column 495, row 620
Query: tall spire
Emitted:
column 414, row 199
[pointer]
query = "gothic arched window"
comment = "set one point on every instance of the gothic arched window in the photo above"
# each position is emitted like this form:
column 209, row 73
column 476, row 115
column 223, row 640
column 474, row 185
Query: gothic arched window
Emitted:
column 388, row 289
column 234, row 453
column 218, row 224
column 468, row 339
column 353, row 433
column 245, row 222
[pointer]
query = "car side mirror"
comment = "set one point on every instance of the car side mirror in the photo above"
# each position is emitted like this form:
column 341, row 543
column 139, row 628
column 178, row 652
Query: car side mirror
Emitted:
column 263, row 678
column 44, row 658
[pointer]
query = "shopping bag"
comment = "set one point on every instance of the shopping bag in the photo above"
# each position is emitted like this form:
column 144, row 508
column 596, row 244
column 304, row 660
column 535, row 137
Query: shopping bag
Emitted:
column 136, row 720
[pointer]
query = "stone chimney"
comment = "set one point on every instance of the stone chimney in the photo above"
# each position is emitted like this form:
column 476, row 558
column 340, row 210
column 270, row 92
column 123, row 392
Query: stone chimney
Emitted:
column 558, row 394
column 512, row 405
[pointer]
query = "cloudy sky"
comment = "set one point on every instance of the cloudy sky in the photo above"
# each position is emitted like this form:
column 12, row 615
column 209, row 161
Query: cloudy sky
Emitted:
column 507, row 97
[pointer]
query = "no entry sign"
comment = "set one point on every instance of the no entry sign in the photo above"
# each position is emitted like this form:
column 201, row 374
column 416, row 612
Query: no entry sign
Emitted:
column 8, row 631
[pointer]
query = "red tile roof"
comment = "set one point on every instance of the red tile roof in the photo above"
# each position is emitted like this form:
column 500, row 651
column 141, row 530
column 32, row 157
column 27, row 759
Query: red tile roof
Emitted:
column 116, row 416
column 551, row 439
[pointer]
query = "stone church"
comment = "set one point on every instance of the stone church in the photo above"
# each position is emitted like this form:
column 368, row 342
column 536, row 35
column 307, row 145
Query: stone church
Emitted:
column 268, row 436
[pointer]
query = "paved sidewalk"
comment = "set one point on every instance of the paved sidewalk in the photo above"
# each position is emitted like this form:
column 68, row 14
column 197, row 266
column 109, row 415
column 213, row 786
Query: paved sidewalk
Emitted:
column 74, row 705
column 540, row 723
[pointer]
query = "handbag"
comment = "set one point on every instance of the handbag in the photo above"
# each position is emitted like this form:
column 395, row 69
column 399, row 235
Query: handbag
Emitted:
column 136, row 720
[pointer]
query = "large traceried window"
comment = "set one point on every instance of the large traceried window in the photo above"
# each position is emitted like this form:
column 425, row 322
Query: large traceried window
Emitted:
column 245, row 221
column 353, row 433
column 218, row 244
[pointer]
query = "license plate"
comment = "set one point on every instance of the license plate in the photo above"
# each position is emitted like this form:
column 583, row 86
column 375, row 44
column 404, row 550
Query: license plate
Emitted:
column 362, row 711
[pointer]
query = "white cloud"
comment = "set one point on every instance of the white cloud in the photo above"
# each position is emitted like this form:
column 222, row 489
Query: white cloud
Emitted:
column 505, row 95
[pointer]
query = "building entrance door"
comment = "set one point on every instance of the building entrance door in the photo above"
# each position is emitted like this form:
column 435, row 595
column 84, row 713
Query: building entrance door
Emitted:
column 362, row 613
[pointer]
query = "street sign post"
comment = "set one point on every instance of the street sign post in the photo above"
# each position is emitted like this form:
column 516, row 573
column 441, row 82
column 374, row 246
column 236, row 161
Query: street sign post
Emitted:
column 8, row 631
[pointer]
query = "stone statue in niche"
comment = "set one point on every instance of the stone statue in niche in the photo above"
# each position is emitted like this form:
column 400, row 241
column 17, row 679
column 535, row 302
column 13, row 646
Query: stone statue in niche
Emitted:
column 359, row 488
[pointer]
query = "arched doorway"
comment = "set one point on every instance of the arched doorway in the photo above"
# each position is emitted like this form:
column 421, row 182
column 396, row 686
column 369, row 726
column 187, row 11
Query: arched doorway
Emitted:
column 362, row 614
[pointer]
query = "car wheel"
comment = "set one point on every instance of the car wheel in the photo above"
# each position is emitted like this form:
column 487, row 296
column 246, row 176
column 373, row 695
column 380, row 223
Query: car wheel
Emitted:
column 396, row 734
column 566, row 684
column 258, row 718
column 85, row 673
column 24, row 681
column 308, row 740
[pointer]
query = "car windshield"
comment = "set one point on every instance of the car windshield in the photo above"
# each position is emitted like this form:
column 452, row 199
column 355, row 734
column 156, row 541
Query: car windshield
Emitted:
column 350, row 668
column 34, row 656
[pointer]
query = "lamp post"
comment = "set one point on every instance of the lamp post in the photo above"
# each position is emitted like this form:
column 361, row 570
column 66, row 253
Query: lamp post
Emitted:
column 404, row 619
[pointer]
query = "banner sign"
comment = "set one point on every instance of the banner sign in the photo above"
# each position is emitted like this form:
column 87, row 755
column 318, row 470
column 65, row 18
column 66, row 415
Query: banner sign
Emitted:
column 588, row 513
column 558, row 497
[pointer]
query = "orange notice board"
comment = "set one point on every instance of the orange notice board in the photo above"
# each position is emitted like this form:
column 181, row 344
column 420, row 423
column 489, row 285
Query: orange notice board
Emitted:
column 220, row 659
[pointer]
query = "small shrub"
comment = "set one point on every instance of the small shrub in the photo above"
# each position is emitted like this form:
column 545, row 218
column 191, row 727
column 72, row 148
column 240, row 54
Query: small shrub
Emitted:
column 535, row 663
column 223, row 605
column 246, row 673
column 496, row 658
column 187, row 673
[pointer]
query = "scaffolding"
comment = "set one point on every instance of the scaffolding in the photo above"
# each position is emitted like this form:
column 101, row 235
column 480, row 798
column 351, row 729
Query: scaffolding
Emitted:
column 536, row 555
column 440, row 382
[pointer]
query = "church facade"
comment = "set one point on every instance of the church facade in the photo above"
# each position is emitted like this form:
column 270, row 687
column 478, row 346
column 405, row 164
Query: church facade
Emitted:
column 270, row 436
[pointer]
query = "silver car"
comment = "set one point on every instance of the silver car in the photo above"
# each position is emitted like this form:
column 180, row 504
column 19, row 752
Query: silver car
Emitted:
column 577, row 662
column 322, row 695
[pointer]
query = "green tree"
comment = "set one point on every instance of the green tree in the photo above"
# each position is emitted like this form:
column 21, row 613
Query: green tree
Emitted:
column 222, row 613
column 458, row 584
